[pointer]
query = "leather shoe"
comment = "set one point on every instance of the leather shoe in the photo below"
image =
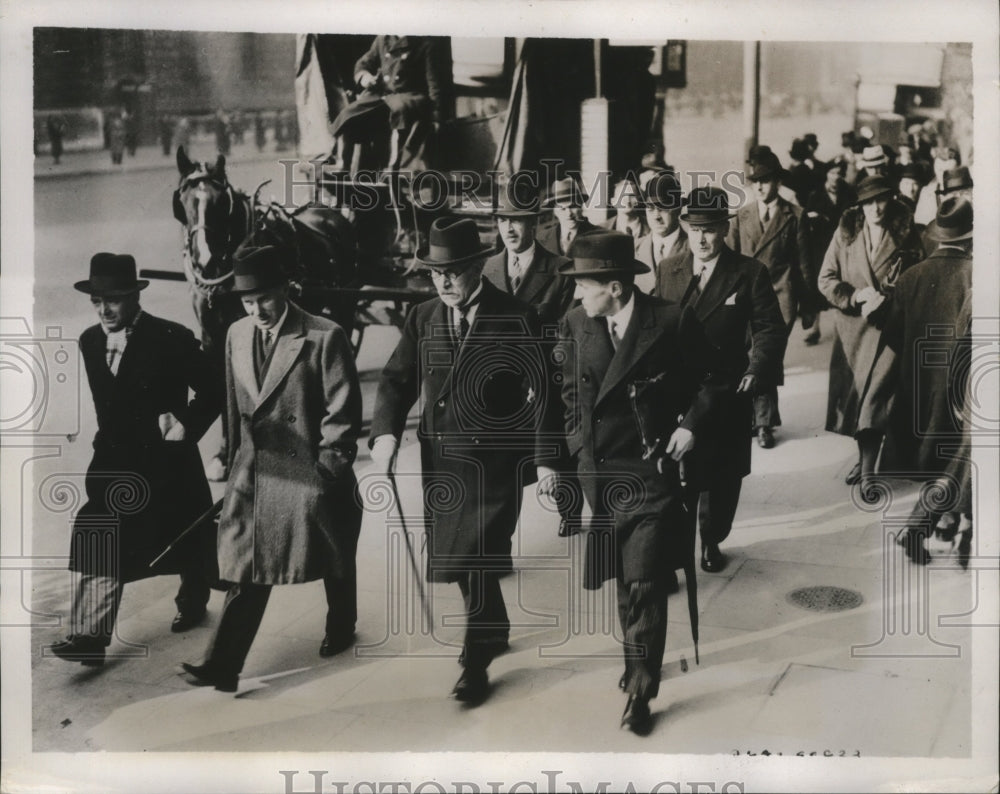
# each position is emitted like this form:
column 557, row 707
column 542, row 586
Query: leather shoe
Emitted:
column 568, row 527
column 493, row 650
column 812, row 338
column 204, row 675
column 186, row 620
column 473, row 685
column 335, row 643
column 765, row 437
column 712, row 560
column 854, row 475
column 913, row 544
column 637, row 717
column 89, row 654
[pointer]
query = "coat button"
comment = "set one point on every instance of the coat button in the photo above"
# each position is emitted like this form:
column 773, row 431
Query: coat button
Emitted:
column 292, row 453
column 475, row 441
column 440, row 403
column 600, row 460
column 585, row 378
column 246, row 417
column 291, row 418
column 598, row 420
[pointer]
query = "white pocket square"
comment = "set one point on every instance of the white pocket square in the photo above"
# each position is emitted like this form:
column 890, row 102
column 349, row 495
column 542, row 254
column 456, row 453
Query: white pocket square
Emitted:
column 731, row 300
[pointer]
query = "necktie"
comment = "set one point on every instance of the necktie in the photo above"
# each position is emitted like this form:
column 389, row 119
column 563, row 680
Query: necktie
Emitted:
column 116, row 349
column 613, row 333
column 567, row 241
column 767, row 214
column 268, row 341
column 661, row 252
column 516, row 274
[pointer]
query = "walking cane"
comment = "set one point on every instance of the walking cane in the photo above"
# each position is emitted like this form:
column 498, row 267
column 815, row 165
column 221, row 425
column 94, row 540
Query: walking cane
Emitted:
column 409, row 550
column 199, row 522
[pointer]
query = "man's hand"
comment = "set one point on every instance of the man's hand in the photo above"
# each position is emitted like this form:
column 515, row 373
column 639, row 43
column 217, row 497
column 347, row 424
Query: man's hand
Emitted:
column 548, row 481
column 170, row 428
column 384, row 452
column 681, row 442
column 748, row 383
column 872, row 304
column 366, row 79
column 864, row 295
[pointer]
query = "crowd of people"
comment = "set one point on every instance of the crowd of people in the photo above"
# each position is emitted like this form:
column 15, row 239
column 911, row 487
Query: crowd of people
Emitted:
column 626, row 367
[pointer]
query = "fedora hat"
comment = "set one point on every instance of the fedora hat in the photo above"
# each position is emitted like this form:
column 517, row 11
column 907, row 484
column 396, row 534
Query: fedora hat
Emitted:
column 953, row 221
column 565, row 191
column 955, row 179
column 873, row 157
column 768, row 166
column 602, row 254
column 258, row 268
column 800, row 150
column 706, row 205
column 111, row 275
column 451, row 242
column 871, row 187
column 516, row 199
column 810, row 139
column 664, row 191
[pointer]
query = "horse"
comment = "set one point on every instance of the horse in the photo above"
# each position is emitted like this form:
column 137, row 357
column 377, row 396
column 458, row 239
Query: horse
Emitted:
column 219, row 219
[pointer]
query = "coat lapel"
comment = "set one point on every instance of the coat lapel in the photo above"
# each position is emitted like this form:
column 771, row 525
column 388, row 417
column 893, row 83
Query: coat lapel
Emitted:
column 495, row 270
column 782, row 215
column 242, row 357
column 538, row 278
column 719, row 287
column 286, row 350
column 639, row 337
column 677, row 278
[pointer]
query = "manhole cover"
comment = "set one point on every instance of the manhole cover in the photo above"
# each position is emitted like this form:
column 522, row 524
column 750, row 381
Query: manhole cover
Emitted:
column 825, row 598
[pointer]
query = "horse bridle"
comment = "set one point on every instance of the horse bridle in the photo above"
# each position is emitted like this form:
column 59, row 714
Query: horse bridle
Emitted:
column 197, row 179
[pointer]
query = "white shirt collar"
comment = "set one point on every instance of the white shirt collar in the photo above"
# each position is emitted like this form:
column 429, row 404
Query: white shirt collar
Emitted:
column 705, row 269
column 275, row 329
column 470, row 314
column 524, row 257
column 622, row 318
column 667, row 240
column 763, row 207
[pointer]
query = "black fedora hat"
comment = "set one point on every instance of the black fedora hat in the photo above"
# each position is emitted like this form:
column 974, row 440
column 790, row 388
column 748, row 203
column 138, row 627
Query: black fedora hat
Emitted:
column 602, row 254
column 871, row 187
column 766, row 166
column 664, row 191
column 453, row 241
column 516, row 198
column 955, row 179
column 953, row 221
column 111, row 275
column 258, row 269
column 800, row 150
column 566, row 191
column 706, row 205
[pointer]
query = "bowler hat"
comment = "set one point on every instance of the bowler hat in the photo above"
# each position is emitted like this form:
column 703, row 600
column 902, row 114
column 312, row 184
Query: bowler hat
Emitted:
column 602, row 254
column 453, row 241
column 955, row 179
column 566, row 191
column 111, row 275
column 664, row 191
column 953, row 221
column 706, row 205
column 768, row 166
column 258, row 268
column 810, row 139
column 873, row 156
column 516, row 199
column 871, row 187
column 758, row 152
column 800, row 150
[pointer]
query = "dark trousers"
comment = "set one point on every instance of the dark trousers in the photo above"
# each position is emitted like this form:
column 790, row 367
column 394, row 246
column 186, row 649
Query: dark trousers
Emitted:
column 765, row 408
column 487, row 627
column 717, row 508
column 244, row 610
column 642, row 612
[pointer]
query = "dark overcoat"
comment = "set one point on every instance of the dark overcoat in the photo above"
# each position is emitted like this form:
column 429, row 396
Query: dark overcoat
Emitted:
column 291, row 511
column 927, row 319
column 741, row 317
column 862, row 368
column 543, row 288
column 645, row 254
column 782, row 247
column 416, row 77
column 143, row 491
column 821, row 216
column 649, row 531
column 481, row 406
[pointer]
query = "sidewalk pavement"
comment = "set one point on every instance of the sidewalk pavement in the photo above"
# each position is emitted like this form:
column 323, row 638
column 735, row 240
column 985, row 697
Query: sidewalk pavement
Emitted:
column 882, row 678
column 148, row 158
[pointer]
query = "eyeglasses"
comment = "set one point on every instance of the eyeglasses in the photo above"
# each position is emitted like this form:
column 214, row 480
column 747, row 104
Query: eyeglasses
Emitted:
column 446, row 275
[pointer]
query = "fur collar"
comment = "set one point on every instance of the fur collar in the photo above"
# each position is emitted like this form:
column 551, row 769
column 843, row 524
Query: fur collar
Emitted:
column 898, row 222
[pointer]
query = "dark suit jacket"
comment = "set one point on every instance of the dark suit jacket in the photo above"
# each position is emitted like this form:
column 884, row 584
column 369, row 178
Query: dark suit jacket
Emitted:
column 782, row 247
column 821, row 218
column 644, row 253
column 549, row 234
column 741, row 317
column 166, row 479
column 661, row 342
column 483, row 408
column 543, row 288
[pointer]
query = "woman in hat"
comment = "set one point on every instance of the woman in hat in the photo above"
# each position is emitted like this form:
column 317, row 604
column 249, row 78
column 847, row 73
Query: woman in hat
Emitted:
column 874, row 243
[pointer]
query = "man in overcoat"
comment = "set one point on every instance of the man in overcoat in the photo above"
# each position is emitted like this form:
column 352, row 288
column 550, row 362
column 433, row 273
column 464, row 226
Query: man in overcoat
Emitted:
column 472, row 358
column 291, row 511
column 770, row 230
column 732, row 296
column 631, row 358
column 875, row 242
column 566, row 199
column 145, row 483
column 666, row 238
column 529, row 271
